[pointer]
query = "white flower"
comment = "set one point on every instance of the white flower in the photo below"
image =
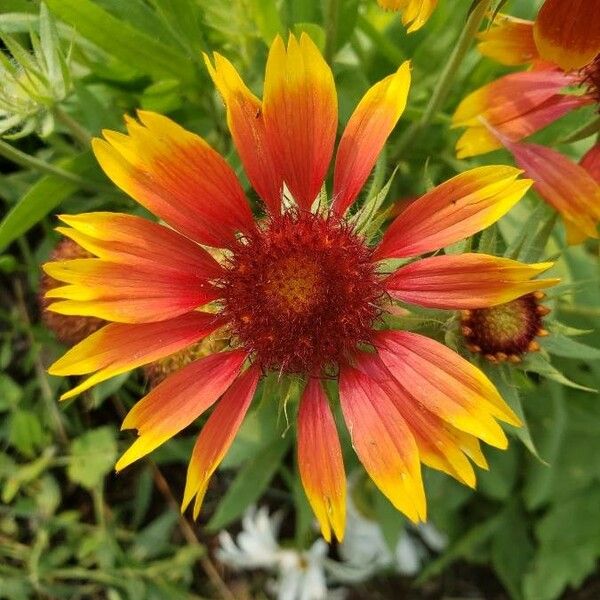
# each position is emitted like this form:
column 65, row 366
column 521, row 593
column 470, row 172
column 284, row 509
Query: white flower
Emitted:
column 300, row 574
column 366, row 551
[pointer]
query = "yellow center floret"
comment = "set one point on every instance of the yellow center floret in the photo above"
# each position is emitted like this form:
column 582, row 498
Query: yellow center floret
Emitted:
column 295, row 283
column 302, row 293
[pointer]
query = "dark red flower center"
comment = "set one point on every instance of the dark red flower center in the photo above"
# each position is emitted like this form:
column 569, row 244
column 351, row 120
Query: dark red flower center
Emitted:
column 301, row 293
column 591, row 79
column 506, row 331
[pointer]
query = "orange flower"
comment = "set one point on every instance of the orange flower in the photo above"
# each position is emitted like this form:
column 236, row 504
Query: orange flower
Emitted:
column 415, row 13
column 519, row 104
column 299, row 291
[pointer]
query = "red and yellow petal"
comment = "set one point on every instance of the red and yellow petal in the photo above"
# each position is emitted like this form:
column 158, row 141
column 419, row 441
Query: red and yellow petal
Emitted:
column 300, row 115
column 117, row 348
column 178, row 400
column 517, row 105
column 479, row 139
column 568, row 33
column 217, row 436
column 178, row 176
column 320, row 461
column 127, row 239
column 125, row 293
column 468, row 280
column 508, row 41
column 415, row 13
column 365, row 135
column 509, row 97
column 247, row 127
column 568, row 187
column 446, row 385
column 383, row 442
column 441, row 446
column 454, row 210
column 591, row 162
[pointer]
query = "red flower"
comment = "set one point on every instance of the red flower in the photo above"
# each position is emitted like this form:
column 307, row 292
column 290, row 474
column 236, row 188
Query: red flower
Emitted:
column 300, row 291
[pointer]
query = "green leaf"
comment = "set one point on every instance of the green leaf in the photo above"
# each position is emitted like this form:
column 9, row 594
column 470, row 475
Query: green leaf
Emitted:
column 121, row 40
column 569, row 546
column 535, row 245
column 561, row 345
column 26, row 474
column 25, row 432
column 92, row 456
column 501, row 378
column 488, row 240
column 250, row 482
column 10, row 392
column 528, row 222
column 266, row 17
column 498, row 483
column 184, row 20
column 536, row 363
column 512, row 550
column 153, row 540
column 43, row 197
column 347, row 18
column 464, row 546
column 546, row 405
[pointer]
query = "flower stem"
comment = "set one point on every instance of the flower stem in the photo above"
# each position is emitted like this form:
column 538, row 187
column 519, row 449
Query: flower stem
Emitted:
column 331, row 28
column 380, row 41
column 447, row 76
column 78, row 132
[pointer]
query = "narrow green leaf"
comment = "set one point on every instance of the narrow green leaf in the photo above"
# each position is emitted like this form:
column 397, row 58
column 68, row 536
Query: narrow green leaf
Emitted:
column 123, row 41
column 523, row 232
column 536, row 363
column 501, row 378
column 43, row 197
column 248, row 485
column 561, row 345
column 534, row 247
column 50, row 44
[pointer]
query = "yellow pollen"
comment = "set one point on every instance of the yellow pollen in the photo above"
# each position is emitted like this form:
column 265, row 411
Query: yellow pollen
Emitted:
column 294, row 284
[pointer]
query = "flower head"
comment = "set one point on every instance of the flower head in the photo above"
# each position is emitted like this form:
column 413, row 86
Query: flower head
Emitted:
column 520, row 104
column 506, row 331
column 299, row 290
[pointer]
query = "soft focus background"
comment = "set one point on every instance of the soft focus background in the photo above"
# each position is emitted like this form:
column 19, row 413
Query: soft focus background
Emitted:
column 70, row 528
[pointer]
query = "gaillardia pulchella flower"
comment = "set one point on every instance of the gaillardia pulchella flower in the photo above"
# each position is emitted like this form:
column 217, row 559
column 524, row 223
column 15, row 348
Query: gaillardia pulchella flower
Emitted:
column 562, row 48
column 506, row 332
column 301, row 292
